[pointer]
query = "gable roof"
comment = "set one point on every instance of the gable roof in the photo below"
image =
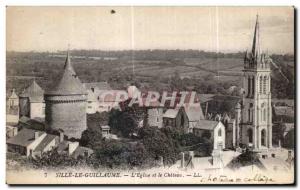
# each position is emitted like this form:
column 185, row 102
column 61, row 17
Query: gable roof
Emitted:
column 80, row 150
column 45, row 142
column 284, row 110
column 171, row 113
column 194, row 113
column 13, row 94
column 69, row 83
column 24, row 137
column 220, row 104
column 206, row 124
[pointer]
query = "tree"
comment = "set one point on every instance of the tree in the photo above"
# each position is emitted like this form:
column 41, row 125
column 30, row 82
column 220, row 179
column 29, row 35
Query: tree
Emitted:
column 158, row 144
column 96, row 120
column 122, row 123
column 53, row 159
column 91, row 138
column 118, row 154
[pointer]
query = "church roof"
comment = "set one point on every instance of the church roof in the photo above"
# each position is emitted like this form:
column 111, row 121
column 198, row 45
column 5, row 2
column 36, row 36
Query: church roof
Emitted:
column 69, row 83
column 34, row 92
column 206, row 124
column 194, row 113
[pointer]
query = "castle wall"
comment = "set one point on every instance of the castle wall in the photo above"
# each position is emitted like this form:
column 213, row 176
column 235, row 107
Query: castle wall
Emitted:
column 67, row 113
column 37, row 110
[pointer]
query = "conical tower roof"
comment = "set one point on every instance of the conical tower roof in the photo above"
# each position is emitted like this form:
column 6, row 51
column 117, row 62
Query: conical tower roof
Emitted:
column 33, row 90
column 69, row 83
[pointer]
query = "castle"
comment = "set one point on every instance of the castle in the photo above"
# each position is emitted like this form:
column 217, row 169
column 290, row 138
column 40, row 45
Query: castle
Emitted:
column 66, row 103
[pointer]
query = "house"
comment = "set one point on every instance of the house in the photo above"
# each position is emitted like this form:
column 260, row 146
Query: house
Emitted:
column 47, row 144
column 13, row 99
column 176, row 118
column 12, row 107
column 283, row 113
column 145, row 113
column 212, row 130
column 105, row 131
column 25, row 141
column 73, row 149
column 29, row 142
column 11, row 131
column 100, row 97
column 194, row 114
column 27, row 122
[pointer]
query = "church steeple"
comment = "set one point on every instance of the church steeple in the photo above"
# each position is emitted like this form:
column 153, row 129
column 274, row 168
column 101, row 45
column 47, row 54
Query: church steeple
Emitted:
column 256, row 44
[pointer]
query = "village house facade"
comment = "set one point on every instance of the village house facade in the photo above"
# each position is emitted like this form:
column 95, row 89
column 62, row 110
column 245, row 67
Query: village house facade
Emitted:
column 34, row 143
column 213, row 131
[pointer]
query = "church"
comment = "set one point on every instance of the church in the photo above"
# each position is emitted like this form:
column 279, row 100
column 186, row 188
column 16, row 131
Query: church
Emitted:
column 255, row 126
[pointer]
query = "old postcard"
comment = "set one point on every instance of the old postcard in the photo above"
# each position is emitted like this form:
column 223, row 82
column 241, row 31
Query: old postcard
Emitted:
column 150, row 95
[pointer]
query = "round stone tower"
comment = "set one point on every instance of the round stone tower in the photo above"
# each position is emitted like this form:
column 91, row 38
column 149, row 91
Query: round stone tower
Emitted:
column 66, row 103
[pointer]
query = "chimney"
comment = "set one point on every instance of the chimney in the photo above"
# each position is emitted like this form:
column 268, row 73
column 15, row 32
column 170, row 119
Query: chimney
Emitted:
column 72, row 146
column 61, row 136
column 36, row 135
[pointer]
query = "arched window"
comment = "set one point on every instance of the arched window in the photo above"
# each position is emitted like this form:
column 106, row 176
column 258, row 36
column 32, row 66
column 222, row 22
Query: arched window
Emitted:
column 265, row 85
column 264, row 115
column 249, row 115
column 250, row 135
column 260, row 84
column 263, row 137
column 219, row 132
column 249, row 86
column 253, row 84
column 182, row 120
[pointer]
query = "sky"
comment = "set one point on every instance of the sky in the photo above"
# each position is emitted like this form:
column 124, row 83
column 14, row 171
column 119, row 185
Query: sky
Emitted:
column 218, row 29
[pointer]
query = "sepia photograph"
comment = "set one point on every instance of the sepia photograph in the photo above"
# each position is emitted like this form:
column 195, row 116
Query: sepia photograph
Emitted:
column 156, row 95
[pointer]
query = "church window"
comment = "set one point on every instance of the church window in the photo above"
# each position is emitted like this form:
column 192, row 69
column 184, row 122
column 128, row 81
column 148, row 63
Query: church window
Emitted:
column 264, row 115
column 220, row 133
column 249, row 115
column 260, row 84
column 249, row 84
column 265, row 85
column 263, row 137
column 253, row 86
column 250, row 135
column 182, row 121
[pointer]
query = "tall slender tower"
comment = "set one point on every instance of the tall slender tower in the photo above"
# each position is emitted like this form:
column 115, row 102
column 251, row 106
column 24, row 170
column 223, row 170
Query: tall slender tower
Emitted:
column 256, row 126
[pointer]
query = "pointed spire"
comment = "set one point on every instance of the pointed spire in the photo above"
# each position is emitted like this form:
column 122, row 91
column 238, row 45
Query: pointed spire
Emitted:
column 68, row 66
column 256, row 45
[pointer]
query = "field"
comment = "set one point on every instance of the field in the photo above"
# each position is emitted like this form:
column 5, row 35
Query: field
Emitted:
column 122, row 68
